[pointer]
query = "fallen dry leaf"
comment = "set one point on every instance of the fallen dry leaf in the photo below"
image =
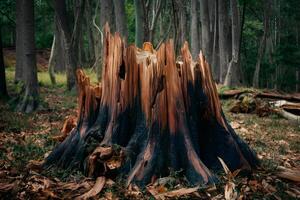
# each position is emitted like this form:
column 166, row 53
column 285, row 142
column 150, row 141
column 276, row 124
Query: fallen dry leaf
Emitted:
column 156, row 190
column 226, row 169
column 35, row 165
column 269, row 188
column 235, row 125
column 100, row 182
column 177, row 193
column 5, row 187
column 230, row 192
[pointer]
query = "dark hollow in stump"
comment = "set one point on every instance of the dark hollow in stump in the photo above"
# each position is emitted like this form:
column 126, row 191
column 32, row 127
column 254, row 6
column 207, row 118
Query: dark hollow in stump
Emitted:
column 151, row 115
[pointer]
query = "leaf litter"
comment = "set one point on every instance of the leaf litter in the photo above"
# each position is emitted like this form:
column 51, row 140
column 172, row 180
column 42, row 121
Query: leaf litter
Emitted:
column 26, row 140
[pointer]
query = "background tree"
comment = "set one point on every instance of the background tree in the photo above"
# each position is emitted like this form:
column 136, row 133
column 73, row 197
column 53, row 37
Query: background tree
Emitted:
column 3, row 89
column 120, row 18
column 232, row 75
column 29, row 101
column 208, row 26
column 195, row 42
column 19, row 39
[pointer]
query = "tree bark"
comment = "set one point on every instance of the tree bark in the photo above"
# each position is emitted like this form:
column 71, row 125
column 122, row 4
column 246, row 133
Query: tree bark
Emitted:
column 19, row 39
column 223, row 38
column 60, row 51
column 139, row 23
column 297, row 80
column 262, row 46
column 151, row 115
column 3, row 89
column 107, row 13
column 156, row 10
column 30, row 99
column 194, row 29
column 120, row 18
column 71, row 62
column 205, row 30
column 70, row 40
column 215, row 53
column 232, row 76
column 52, row 62
column 90, row 33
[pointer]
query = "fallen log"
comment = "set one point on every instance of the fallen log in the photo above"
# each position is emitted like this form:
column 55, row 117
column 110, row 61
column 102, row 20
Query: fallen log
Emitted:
column 263, row 95
column 288, row 110
column 150, row 116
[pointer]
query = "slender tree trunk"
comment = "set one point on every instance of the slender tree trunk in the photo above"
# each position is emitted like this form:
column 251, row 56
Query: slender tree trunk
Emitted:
column 57, row 55
column 262, row 46
column 205, row 30
column 223, row 38
column 71, row 61
column 156, row 9
column 3, row 89
column 194, row 29
column 81, row 50
column 90, row 34
column 139, row 23
column 77, row 34
column 182, row 22
column 297, row 80
column 232, row 78
column 107, row 13
column 52, row 61
column 120, row 18
column 19, row 39
column 60, row 51
column 215, row 54
column 30, row 100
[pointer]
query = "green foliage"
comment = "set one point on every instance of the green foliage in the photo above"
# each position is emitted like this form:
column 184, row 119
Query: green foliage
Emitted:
column 130, row 20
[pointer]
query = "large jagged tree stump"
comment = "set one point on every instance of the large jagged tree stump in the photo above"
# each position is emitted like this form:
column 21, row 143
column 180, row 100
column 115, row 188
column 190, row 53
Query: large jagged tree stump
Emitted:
column 150, row 115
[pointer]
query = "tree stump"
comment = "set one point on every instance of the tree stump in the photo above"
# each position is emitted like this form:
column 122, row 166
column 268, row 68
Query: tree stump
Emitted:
column 151, row 115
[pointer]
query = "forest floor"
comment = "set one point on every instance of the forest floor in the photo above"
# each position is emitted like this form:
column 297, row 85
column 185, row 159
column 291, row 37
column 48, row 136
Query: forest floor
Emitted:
column 27, row 138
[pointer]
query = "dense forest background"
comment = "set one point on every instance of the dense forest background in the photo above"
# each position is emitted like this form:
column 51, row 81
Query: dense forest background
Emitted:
column 53, row 53
column 247, row 43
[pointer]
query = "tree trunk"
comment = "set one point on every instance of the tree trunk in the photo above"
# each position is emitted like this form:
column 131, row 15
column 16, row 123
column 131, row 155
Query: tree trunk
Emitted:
column 52, row 62
column 59, row 51
column 223, row 38
column 151, row 115
column 81, row 49
column 232, row 76
column 120, row 17
column 297, row 80
column 215, row 54
column 19, row 40
column 61, row 13
column 205, row 30
column 3, row 89
column 90, row 34
column 107, row 13
column 262, row 46
column 194, row 29
column 30, row 99
column 71, row 61
column 156, row 10
column 139, row 23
